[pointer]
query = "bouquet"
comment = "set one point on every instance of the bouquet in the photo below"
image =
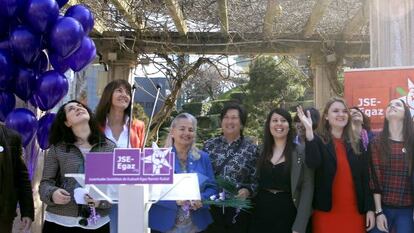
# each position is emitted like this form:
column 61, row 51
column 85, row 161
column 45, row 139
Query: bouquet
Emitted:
column 227, row 197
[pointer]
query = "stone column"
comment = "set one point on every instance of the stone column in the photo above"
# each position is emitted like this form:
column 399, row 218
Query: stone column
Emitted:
column 121, row 70
column 392, row 33
column 322, row 89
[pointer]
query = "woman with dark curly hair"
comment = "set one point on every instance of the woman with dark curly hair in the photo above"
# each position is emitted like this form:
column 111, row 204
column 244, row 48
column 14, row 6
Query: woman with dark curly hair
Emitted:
column 74, row 132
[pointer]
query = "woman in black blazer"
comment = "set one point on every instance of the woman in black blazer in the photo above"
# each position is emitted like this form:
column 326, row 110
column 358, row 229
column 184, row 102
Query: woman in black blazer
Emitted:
column 342, row 200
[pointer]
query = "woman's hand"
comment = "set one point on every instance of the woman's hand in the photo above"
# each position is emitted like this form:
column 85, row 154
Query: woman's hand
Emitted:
column 194, row 205
column 89, row 199
column 180, row 202
column 382, row 223
column 27, row 222
column 61, row 197
column 370, row 220
column 306, row 122
column 243, row 193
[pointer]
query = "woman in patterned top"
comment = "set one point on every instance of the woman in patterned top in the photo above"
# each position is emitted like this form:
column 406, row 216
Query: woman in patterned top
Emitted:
column 185, row 216
column 234, row 158
column 391, row 171
column 74, row 133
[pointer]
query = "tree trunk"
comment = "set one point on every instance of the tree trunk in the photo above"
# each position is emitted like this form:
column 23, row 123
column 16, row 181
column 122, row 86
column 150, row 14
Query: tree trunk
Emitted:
column 183, row 73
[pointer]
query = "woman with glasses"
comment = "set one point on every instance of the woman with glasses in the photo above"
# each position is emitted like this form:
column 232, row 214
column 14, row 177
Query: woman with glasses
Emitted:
column 74, row 133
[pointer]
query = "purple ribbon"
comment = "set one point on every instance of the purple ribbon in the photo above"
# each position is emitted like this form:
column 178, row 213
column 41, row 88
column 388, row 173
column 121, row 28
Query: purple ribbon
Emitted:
column 93, row 217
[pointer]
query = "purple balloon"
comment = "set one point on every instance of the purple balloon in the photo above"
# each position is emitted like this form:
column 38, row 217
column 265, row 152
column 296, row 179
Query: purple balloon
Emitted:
column 32, row 101
column 42, row 134
column 59, row 63
column 4, row 27
column 24, row 83
column 51, row 87
column 4, row 44
column 23, row 121
column 66, row 36
column 6, row 69
column 83, row 56
column 7, row 104
column 61, row 2
column 41, row 14
column 25, row 44
column 83, row 14
column 41, row 63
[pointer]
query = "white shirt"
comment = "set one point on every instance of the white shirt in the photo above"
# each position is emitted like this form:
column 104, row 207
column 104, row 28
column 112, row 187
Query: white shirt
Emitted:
column 122, row 141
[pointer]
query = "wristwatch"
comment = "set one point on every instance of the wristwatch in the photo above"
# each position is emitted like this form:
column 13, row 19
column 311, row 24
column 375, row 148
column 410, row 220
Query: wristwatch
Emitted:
column 378, row 212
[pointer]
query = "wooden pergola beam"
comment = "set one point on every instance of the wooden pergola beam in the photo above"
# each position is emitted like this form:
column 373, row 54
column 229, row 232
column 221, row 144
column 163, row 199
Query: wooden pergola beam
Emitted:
column 317, row 13
column 217, row 43
column 125, row 9
column 273, row 9
column 223, row 15
column 359, row 20
column 177, row 16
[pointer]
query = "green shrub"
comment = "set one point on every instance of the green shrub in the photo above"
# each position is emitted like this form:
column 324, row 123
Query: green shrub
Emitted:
column 217, row 106
column 193, row 108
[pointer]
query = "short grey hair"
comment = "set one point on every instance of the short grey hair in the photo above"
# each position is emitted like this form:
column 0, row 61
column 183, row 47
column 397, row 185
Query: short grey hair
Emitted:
column 170, row 141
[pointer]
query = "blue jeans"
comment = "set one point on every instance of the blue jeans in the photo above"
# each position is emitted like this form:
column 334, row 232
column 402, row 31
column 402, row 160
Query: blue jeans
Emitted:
column 399, row 220
column 113, row 215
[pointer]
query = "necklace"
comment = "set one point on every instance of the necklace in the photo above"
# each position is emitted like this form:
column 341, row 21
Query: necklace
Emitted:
column 183, row 164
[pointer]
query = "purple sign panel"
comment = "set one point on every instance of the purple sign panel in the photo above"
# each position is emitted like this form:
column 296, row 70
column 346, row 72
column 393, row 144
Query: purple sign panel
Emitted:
column 130, row 166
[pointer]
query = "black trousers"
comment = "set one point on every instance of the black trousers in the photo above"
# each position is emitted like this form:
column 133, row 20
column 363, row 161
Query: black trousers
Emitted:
column 273, row 213
column 6, row 225
column 50, row 227
column 228, row 222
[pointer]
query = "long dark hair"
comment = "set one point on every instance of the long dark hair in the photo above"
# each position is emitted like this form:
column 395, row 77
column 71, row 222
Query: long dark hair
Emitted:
column 269, row 143
column 408, row 138
column 59, row 132
column 324, row 129
column 105, row 102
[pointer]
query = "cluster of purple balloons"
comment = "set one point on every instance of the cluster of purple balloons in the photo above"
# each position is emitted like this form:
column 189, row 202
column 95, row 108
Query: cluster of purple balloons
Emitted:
column 32, row 34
